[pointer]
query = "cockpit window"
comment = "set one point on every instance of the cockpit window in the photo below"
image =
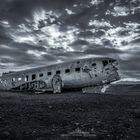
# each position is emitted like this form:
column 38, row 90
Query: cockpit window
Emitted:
column 105, row 62
column 93, row 64
column 112, row 60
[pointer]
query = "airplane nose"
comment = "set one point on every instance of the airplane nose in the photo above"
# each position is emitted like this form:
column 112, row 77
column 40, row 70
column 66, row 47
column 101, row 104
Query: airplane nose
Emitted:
column 114, row 76
column 115, row 68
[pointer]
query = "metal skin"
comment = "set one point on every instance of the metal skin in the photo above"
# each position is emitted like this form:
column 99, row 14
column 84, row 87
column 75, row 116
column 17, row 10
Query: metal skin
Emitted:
column 80, row 73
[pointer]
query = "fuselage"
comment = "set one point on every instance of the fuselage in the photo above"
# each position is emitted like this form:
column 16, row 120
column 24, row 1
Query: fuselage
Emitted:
column 74, row 74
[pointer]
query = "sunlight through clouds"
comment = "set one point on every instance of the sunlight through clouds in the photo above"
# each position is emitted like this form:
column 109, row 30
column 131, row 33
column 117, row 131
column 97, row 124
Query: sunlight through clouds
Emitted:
column 98, row 23
column 122, row 34
column 24, row 39
column 69, row 12
column 96, row 2
column 64, row 30
column 56, row 38
column 120, row 11
column 40, row 16
column 36, row 53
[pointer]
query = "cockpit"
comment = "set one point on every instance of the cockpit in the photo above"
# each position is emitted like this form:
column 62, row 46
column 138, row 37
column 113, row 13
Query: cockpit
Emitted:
column 105, row 62
column 110, row 69
column 110, row 61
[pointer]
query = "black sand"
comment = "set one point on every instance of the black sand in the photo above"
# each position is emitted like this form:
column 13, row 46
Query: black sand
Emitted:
column 49, row 116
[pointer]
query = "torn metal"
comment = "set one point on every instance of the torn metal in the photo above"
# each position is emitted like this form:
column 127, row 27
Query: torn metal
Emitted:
column 89, row 74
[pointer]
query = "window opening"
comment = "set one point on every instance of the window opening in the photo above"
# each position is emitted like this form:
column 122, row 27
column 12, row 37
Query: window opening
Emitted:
column 77, row 69
column 49, row 73
column 33, row 76
column 67, row 71
column 58, row 72
column 105, row 62
column 41, row 75
column 94, row 64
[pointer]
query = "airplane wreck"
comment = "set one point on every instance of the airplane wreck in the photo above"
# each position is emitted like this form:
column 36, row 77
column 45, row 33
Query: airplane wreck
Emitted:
column 89, row 75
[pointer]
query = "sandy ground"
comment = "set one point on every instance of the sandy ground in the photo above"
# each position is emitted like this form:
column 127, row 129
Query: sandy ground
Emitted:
column 52, row 116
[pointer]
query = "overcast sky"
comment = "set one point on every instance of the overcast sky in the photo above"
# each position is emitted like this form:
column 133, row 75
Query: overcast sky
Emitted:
column 41, row 32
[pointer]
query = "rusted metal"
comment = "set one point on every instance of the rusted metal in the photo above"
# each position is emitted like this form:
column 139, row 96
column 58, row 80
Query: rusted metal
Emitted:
column 82, row 73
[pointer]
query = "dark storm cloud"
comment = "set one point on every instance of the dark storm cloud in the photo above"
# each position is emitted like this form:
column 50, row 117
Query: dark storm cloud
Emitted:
column 24, row 59
column 86, row 34
column 33, row 32
column 132, row 61
column 135, row 41
column 100, row 50
column 4, row 37
column 25, row 47
column 79, row 43
column 18, row 49
column 16, row 10
column 18, row 55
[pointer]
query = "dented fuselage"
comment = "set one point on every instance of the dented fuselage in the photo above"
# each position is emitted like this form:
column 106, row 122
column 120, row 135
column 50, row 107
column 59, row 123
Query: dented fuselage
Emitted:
column 69, row 75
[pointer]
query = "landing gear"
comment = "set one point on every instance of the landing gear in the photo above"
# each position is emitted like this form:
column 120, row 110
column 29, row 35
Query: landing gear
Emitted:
column 57, row 84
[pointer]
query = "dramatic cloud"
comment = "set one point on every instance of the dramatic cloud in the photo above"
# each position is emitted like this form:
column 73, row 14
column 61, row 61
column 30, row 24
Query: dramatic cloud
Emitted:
column 41, row 32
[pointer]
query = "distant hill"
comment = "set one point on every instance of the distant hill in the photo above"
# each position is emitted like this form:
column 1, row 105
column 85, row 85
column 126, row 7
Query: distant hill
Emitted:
column 128, row 81
column 125, row 87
